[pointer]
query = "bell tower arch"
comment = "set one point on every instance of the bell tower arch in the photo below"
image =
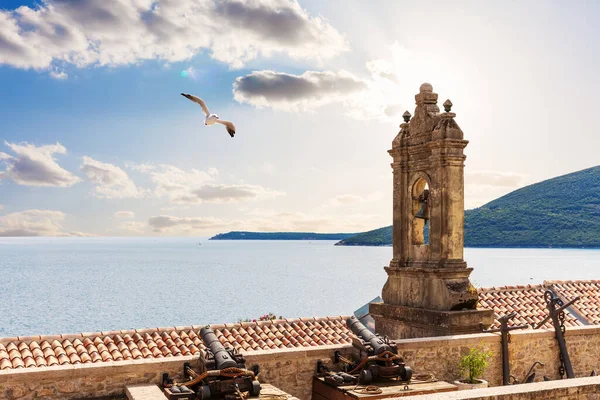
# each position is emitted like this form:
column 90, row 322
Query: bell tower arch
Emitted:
column 428, row 292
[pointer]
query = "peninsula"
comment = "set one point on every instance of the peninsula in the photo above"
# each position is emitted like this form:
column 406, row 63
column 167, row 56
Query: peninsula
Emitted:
column 238, row 235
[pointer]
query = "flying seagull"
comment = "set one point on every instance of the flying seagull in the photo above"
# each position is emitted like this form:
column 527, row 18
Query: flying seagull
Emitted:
column 211, row 118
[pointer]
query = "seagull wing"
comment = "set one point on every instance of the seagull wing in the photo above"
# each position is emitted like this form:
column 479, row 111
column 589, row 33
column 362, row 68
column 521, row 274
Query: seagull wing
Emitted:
column 198, row 100
column 228, row 125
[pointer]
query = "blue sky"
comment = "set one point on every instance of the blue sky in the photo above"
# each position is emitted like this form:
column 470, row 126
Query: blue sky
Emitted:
column 315, row 89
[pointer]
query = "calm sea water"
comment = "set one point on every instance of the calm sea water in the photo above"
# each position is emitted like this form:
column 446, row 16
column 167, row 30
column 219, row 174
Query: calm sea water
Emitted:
column 68, row 285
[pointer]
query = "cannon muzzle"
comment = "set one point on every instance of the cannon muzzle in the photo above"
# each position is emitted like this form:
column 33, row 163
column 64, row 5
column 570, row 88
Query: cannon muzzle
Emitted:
column 222, row 357
column 360, row 330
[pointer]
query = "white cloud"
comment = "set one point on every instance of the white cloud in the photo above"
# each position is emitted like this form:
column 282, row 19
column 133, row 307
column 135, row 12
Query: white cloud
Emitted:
column 175, row 183
column 369, row 97
column 122, row 32
column 140, row 167
column 111, row 181
column 36, row 166
column 1, row 207
column 213, row 172
column 35, row 223
column 220, row 193
column 194, row 186
column 167, row 223
column 124, row 214
column 58, row 74
column 282, row 91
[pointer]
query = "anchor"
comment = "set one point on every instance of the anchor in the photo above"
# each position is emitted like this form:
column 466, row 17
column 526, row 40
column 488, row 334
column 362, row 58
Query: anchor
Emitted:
column 556, row 313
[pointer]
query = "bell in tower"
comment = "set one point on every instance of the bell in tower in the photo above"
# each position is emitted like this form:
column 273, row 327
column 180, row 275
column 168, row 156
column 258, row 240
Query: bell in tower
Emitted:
column 423, row 212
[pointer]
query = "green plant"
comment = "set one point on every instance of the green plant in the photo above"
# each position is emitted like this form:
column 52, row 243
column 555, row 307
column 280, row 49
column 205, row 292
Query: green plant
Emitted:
column 472, row 289
column 474, row 364
column 267, row 317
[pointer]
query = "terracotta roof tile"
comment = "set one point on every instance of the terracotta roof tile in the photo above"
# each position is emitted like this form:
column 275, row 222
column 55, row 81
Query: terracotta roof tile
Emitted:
column 5, row 364
column 93, row 347
column 588, row 306
column 85, row 358
column 17, row 363
column 40, row 361
column 528, row 301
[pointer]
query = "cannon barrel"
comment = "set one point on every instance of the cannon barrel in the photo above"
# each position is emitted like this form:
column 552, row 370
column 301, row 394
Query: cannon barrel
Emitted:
column 222, row 357
column 360, row 330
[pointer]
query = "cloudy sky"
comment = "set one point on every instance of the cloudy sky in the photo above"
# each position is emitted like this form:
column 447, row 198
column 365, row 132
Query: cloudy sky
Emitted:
column 96, row 140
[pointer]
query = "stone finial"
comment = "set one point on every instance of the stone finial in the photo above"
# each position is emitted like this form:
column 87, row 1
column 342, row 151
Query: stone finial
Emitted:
column 426, row 88
column 406, row 116
column 447, row 105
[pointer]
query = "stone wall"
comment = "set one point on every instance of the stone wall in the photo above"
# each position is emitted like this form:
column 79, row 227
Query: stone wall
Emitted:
column 571, row 389
column 291, row 370
column 288, row 369
column 85, row 380
column 441, row 355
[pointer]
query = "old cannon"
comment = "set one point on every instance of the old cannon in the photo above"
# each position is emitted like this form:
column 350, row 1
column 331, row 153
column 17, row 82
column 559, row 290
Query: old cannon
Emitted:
column 381, row 362
column 222, row 374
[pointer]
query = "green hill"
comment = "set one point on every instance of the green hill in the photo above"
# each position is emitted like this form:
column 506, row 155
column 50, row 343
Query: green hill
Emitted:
column 558, row 212
column 376, row 237
column 280, row 236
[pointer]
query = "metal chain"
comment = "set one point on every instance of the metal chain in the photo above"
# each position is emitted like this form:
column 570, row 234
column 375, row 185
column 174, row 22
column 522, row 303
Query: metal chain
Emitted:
column 561, row 368
column 561, row 319
column 231, row 372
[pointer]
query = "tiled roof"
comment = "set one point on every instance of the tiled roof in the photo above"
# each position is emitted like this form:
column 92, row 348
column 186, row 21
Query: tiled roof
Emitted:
column 528, row 301
column 588, row 306
column 42, row 351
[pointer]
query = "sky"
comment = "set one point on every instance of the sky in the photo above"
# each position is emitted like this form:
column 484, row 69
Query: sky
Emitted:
column 95, row 139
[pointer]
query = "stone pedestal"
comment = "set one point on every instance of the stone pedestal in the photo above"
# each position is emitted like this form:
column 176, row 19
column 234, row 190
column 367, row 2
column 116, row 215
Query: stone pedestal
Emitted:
column 422, row 302
column 401, row 322
column 443, row 289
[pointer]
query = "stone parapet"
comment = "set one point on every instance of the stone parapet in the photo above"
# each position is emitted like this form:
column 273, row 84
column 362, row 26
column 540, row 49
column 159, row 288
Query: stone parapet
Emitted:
column 291, row 370
column 86, row 380
column 571, row 389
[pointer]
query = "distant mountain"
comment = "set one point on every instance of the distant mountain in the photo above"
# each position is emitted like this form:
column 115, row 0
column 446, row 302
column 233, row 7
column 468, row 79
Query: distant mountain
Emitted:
column 558, row 212
column 280, row 236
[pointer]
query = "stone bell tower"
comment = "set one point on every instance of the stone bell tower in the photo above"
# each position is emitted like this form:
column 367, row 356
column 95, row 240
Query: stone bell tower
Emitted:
column 428, row 292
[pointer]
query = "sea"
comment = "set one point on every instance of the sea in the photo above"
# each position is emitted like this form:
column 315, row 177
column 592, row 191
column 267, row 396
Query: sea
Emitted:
column 72, row 285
